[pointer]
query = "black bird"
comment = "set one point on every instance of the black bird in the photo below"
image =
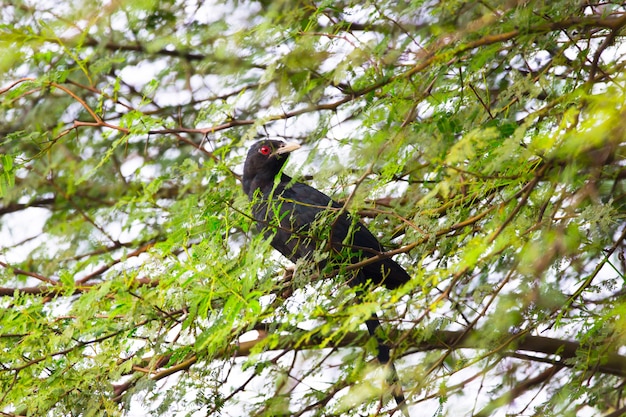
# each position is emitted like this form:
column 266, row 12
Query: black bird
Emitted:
column 294, row 215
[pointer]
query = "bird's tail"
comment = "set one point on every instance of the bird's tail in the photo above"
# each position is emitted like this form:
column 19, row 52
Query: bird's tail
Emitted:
column 396, row 389
column 391, row 376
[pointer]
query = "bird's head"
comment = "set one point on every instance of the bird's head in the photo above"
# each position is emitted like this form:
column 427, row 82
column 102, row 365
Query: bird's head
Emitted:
column 264, row 161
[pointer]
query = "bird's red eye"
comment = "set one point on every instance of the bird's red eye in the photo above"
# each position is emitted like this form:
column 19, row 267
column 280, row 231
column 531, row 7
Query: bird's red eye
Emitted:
column 265, row 150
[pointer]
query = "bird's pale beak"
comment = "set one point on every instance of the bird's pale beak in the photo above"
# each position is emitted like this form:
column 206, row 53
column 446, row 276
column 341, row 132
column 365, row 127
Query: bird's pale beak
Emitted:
column 286, row 148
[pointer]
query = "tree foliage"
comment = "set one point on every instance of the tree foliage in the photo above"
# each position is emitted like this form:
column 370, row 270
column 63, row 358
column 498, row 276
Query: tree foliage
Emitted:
column 483, row 142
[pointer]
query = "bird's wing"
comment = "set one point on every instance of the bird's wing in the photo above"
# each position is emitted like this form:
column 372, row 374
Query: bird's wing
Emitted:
column 302, row 220
column 321, row 217
column 297, row 216
column 317, row 216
